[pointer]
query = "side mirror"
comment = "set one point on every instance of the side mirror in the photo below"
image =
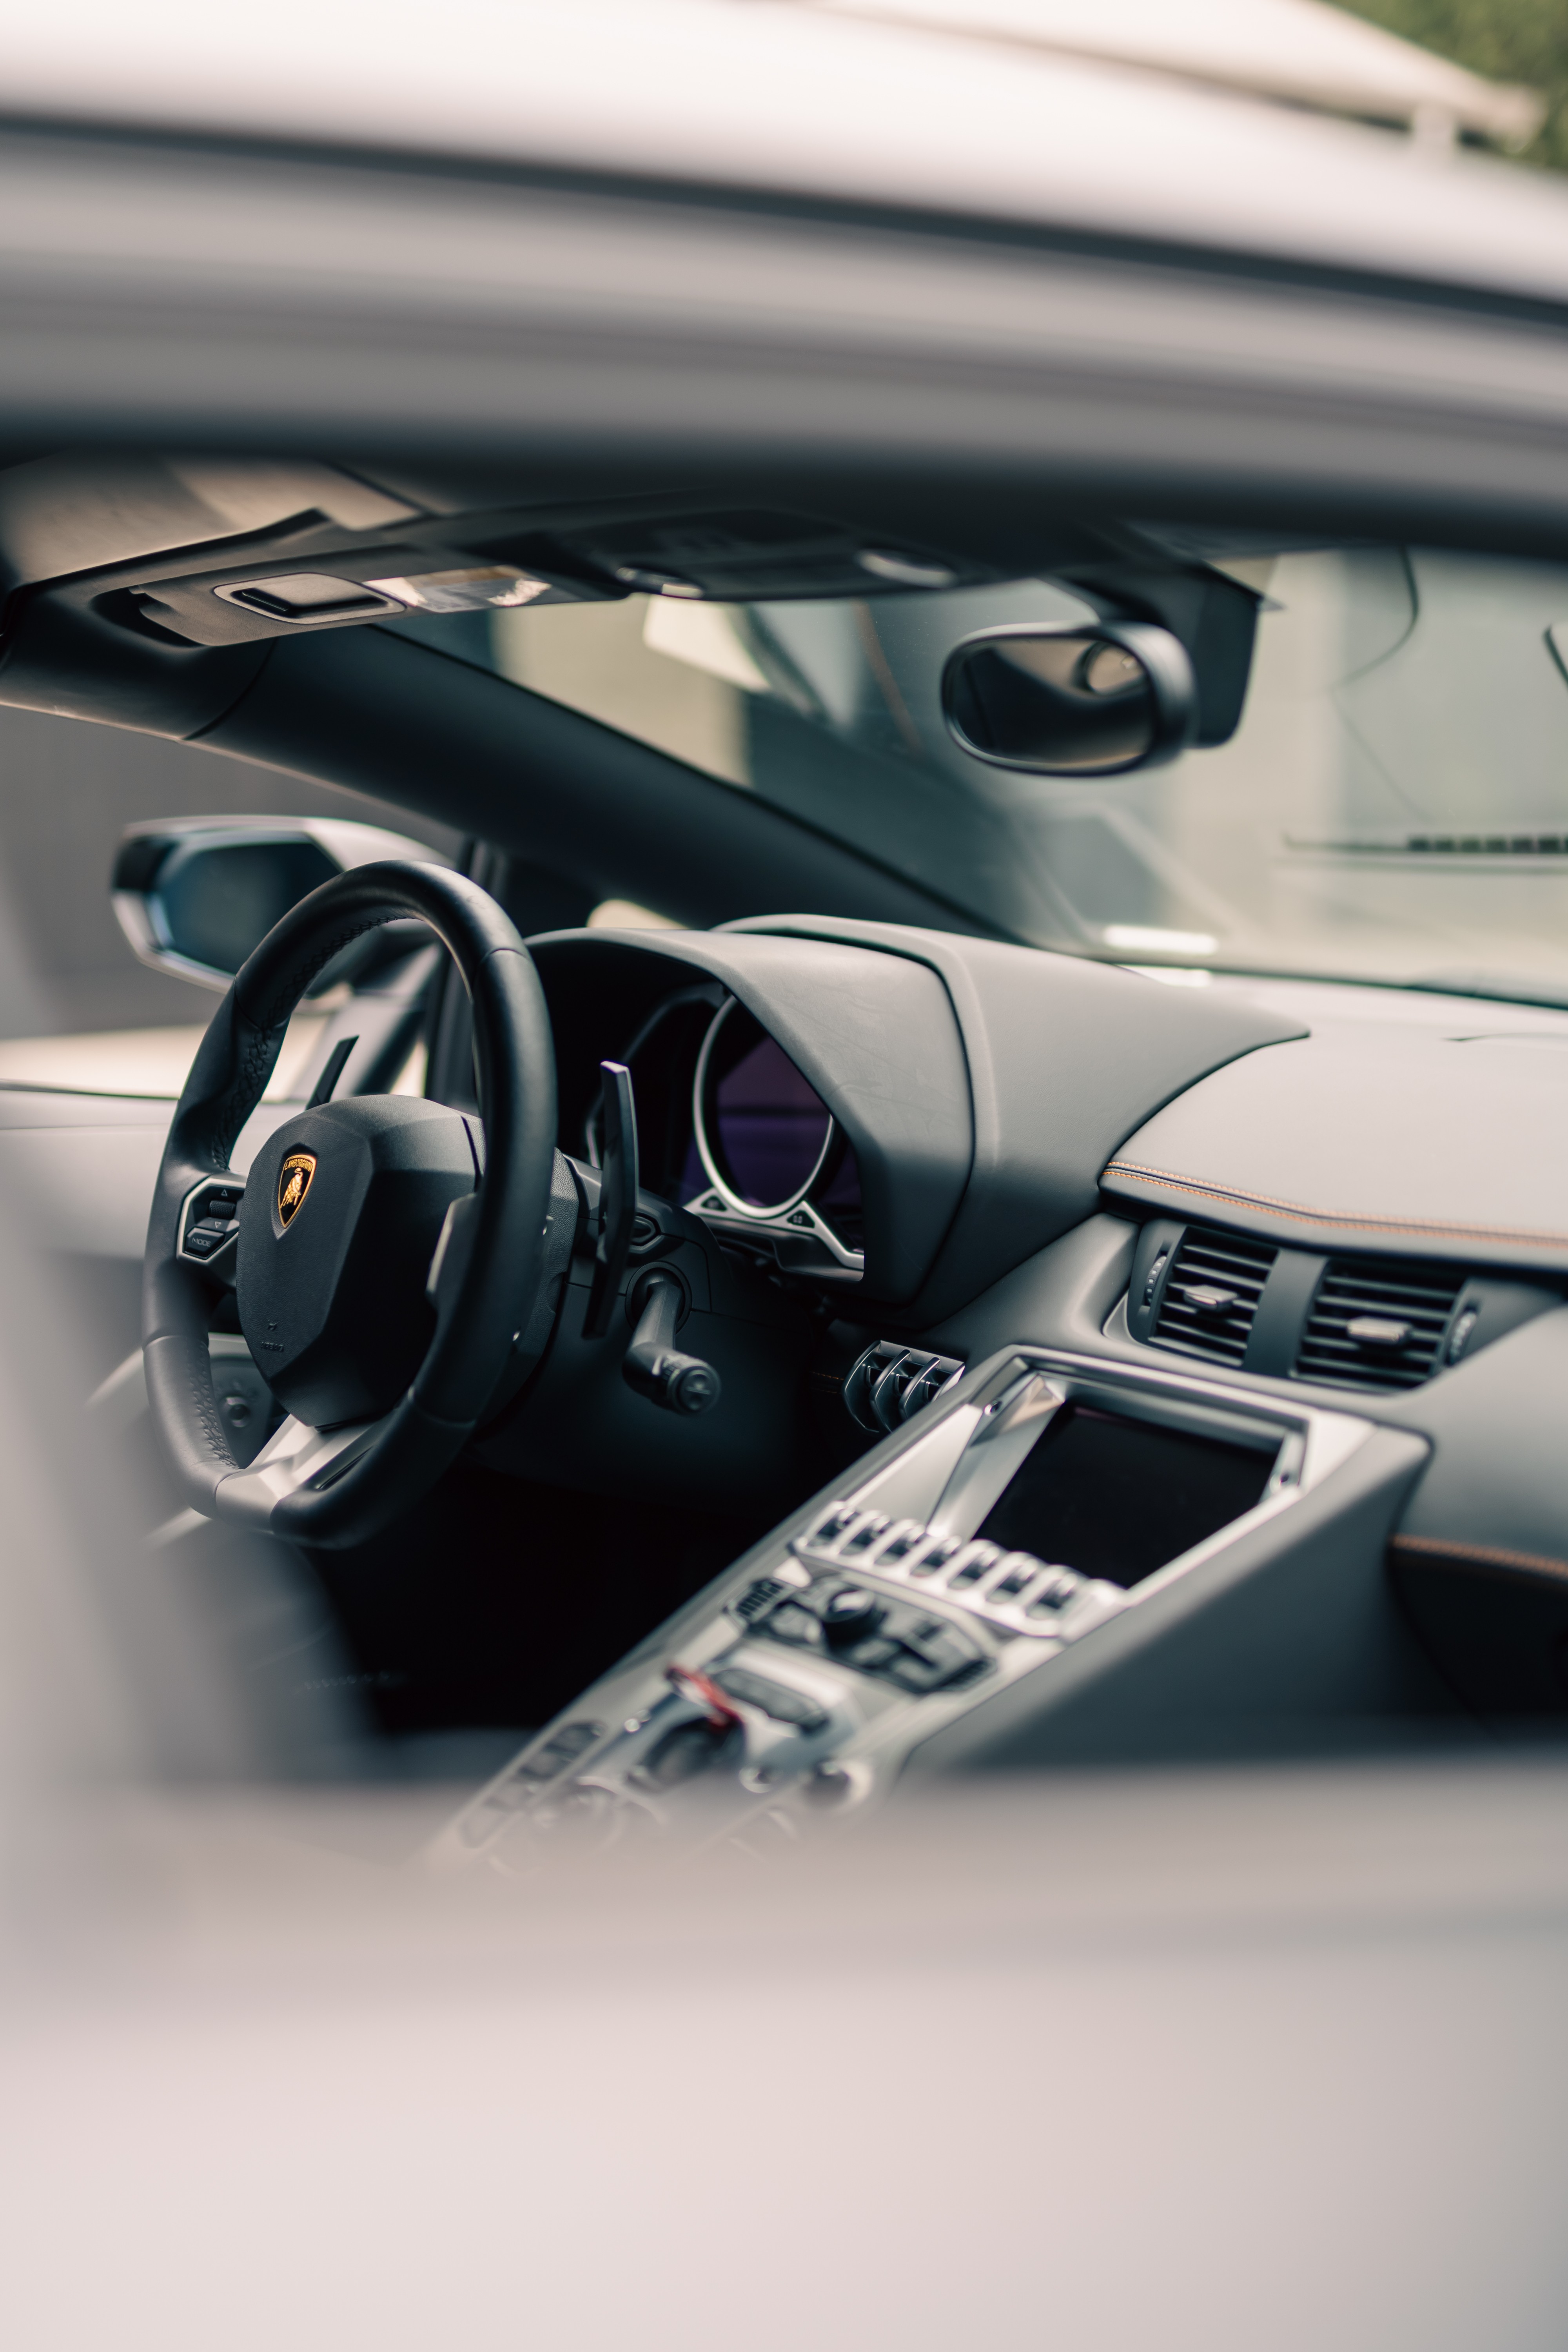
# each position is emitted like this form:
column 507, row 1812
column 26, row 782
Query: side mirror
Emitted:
column 1096, row 701
column 194, row 895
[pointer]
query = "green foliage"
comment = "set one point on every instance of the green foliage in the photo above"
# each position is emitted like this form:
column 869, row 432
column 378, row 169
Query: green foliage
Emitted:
column 1507, row 40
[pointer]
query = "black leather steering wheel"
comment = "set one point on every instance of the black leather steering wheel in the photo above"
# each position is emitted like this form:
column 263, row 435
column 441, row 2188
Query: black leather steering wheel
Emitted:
column 385, row 1250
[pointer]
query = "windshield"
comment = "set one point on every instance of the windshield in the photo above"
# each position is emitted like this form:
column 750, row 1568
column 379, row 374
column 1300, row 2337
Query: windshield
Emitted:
column 1394, row 805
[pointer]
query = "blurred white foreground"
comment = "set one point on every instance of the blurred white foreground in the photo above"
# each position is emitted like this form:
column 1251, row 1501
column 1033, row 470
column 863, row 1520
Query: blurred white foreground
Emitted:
column 1249, row 2059
column 1263, row 2061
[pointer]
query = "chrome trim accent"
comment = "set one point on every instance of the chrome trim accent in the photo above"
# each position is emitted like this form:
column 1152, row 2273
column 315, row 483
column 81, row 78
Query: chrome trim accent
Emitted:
column 788, row 1220
column 1005, row 1434
column 293, row 1456
column 1002, row 1427
column 358, row 601
column 736, row 1206
column 882, row 1387
column 801, row 1224
column 791, row 1219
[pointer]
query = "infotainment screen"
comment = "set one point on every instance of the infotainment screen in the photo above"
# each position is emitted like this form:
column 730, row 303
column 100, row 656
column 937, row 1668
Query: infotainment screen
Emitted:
column 1117, row 1498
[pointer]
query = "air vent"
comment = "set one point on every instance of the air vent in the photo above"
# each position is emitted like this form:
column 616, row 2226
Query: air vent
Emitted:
column 1377, row 1323
column 1211, row 1294
column 888, row 1383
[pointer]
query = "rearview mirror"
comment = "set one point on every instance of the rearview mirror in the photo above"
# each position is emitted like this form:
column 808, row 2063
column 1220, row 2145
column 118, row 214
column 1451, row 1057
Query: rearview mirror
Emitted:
column 195, row 895
column 1094, row 702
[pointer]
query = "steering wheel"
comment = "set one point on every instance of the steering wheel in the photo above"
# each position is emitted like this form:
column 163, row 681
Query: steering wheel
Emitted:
column 385, row 1250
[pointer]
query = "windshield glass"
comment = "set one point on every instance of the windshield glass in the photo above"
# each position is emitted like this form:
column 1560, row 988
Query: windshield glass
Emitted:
column 1393, row 806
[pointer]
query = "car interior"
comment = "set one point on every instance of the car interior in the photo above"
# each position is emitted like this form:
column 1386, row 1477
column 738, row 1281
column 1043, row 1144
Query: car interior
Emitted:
column 958, row 1170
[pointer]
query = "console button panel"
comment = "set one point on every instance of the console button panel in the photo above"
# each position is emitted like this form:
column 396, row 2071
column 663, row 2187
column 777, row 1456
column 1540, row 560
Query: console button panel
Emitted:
column 889, row 1638
column 801, row 1680
column 1011, row 1590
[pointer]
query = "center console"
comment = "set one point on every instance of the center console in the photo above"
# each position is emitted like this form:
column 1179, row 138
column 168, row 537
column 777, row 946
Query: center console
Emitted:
column 1042, row 1498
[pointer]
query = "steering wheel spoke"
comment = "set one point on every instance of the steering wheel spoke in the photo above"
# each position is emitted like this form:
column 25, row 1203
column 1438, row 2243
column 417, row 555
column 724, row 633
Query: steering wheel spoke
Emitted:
column 295, row 1460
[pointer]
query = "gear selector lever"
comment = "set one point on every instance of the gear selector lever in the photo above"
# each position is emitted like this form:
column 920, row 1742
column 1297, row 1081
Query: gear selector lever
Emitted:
column 653, row 1366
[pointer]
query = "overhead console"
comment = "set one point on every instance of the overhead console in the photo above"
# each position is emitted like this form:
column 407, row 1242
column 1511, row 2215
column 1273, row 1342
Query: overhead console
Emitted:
column 222, row 551
column 503, row 560
column 139, row 589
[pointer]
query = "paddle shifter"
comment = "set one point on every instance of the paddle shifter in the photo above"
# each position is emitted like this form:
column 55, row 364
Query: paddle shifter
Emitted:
column 653, row 1366
column 618, row 1194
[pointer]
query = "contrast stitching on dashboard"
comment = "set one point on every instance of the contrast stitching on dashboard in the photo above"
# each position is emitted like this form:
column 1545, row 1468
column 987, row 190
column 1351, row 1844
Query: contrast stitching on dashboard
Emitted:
column 1309, row 1216
column 1480, row 1555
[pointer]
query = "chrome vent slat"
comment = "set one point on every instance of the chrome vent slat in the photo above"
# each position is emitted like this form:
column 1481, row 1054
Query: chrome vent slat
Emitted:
column 1212, row 1263
column 888, row 1383
column 1373, row 1324
column 1421, row 1298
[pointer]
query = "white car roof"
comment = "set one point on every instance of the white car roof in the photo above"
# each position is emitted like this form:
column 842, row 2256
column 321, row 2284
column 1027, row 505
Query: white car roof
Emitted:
column 1304, row 52
column 799, row 103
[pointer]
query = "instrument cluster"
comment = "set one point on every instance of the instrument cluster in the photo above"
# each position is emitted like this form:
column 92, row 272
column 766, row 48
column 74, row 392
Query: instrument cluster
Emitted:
column 735, row 1133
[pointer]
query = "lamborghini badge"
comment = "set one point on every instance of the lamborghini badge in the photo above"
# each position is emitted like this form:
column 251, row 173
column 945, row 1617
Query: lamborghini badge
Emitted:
column 293, row 1184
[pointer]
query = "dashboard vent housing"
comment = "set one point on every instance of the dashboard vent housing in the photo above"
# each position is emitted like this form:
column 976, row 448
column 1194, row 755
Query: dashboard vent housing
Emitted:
column 1211, row 1294
column 889, row 1382
column 1377, row 1323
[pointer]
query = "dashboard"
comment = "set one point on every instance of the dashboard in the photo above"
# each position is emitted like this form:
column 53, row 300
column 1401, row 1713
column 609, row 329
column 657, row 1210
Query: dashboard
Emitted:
column 1273, row 1272
column 1194, row 1358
